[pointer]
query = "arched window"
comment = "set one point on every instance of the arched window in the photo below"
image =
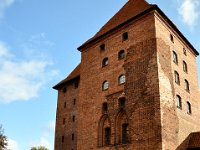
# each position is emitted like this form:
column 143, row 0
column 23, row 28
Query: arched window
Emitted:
column 178, row 101
column 185, row 67
column 177, row 80
column 175, row 57
column 122, row 102
column 105, row 108
column 122, row 79
column 187, row 86
column 125, row 36
column 105, row 62
column 121, row 54
column 105, row 85
column 189, row 110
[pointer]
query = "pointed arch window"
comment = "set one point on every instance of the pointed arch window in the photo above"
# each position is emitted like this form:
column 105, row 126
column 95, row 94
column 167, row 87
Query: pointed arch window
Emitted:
column 175, row 57
column 107, row 136
column 122, row 79
column 178, row 102
column 177, row 79
column 105, row 85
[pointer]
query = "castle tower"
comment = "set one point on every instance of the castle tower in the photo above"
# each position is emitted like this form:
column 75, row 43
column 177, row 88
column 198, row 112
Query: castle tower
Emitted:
column 135, row 88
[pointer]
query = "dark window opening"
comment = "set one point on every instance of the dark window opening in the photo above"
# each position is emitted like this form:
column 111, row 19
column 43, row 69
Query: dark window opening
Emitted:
column 63, row 139
column 185, row 67
column 107, row 135
column 73, row 137
column 63, row 120
column 125, row 36
column 171, row 38
column 189, row 110
column 177, row 79
column 76, row 84
column 102, row 47
column 121, row 54
column 65, row 104
column 73, row 119
column 64, row 90
column 105, row 108
column 178, row 102
column 122, row 102
column 187, row 87
column 74, row 101
column 125, row 133
column 184, row 52
column 175, row 57
column 105, row 62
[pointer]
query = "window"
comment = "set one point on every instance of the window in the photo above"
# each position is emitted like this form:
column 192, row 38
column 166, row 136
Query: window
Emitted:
column 105, row 108
column 63, row 121
column 107, row 136
column 124, row 133
column 177, row 80
column 122, row 102
column 185, row 67
column 63, row 139
column 121, row 54
column 102, row 47
column 175, row 57
column 105, row 62
column 74, row 101
column 73, row 119
column 105, row 85
column 64, row 90
column 178, row 101
column 187, row 87
column 189, row 110
column 171, row 38
column 125, row 36
column 122, row 79
column 73, row 137
column 76, row 84
column 184, row 52
column 65, row 104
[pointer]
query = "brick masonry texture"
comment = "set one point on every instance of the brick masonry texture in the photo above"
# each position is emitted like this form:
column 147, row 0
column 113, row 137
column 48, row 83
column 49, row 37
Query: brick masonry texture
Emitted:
column 154, row 121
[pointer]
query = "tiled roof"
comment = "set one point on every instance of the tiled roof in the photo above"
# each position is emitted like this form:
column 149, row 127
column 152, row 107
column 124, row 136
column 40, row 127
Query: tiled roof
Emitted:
column 194, row 141
column 75, row 73
column 131, row 9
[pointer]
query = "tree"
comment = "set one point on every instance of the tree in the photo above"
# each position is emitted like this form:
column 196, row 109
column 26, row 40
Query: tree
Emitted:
column 3, row 139
column 39, row 148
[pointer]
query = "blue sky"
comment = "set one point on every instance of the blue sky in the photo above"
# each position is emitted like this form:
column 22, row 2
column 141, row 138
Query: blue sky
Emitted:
column 38, row 48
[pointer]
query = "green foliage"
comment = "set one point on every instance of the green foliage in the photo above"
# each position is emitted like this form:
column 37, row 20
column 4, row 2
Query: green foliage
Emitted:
column 39, row 148
column 3, row 139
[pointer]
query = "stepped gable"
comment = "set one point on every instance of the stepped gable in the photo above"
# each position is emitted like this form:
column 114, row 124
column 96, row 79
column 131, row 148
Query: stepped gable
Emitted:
column 131, row 9
column 74, row 74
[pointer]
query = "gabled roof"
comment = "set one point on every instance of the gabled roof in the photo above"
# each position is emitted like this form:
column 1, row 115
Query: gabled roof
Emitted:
column 74, row 74
column 194, row 141
column 131, row 9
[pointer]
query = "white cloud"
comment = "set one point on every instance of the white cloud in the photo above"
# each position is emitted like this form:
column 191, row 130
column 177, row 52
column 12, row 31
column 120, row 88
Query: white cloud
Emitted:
column 189, row 11
column 12, row 145
column 22, row 79
column 4, row 4
column 42, row 142
column 51, row 127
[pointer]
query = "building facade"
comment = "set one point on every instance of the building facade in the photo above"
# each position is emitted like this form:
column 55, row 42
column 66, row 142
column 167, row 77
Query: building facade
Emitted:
column 136, row 87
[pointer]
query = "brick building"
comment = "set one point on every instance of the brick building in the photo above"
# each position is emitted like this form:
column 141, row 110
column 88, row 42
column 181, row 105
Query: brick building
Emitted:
column 136, row 87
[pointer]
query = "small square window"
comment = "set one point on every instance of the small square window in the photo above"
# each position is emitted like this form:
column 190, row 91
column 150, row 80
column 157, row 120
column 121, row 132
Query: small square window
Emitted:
column 76, row 84
column 125, row 36
column 102, row 47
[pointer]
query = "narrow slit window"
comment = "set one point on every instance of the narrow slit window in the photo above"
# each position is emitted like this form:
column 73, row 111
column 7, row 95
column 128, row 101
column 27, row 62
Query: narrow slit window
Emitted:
column 178, row 102
column 185, row 69
column 122, row 102
column 189, row 110
column 105, row 108
column 187, row 86
column 175, row 57
column 177, row 79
